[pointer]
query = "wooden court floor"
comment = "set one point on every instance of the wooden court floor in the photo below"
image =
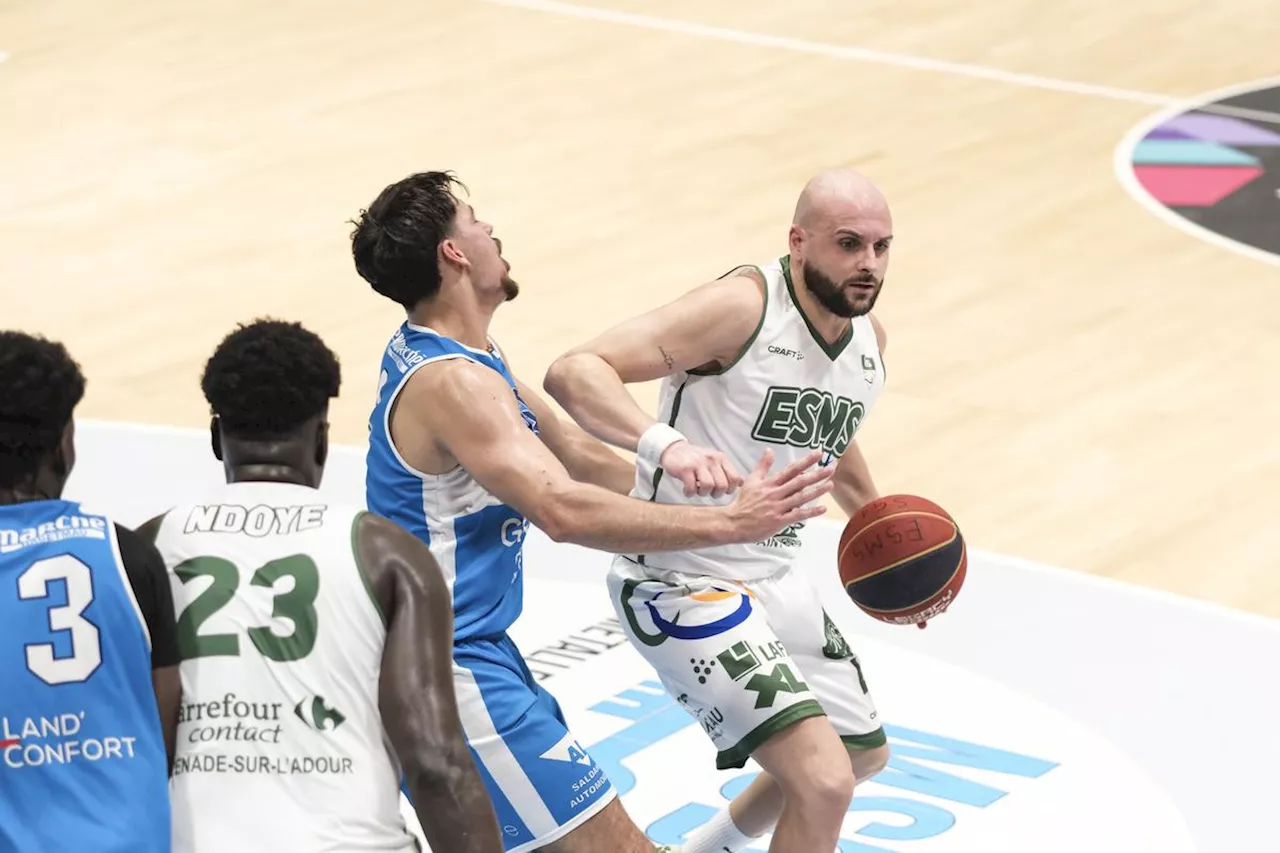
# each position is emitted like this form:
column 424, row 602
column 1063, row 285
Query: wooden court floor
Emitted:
column 1078, row 382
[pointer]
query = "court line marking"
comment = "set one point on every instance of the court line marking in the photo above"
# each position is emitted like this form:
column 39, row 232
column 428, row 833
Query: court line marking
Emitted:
column 877, row 57
column 1122, row 164
column 1078, row 575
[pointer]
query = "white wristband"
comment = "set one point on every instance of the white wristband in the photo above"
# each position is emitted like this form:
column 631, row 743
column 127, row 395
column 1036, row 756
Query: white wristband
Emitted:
column 655, row 441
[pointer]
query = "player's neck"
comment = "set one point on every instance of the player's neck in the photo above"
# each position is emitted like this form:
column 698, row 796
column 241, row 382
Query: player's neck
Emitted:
column 832, row 327
column 260, row 473
column 465, row 322
column 293, row 461
column 9, row 497
column 45, row 487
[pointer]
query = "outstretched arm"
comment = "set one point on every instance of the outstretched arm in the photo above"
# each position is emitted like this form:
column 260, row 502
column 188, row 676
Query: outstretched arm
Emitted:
column 470, row 411
column 707, row 327
column 587, row 459
column 415, row 690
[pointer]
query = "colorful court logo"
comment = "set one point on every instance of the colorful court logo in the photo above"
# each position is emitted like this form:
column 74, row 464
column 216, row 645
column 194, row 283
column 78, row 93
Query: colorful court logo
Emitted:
column 1213, row 169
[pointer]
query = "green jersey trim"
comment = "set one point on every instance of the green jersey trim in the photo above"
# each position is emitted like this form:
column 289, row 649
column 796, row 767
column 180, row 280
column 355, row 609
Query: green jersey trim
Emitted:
column 737, row 755
column 870, row 740
column 832, row 350
column 746, row 347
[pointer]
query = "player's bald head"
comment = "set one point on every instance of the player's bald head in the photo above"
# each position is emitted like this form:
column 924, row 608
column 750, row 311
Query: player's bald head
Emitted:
column 835, row 193
column 839, row 239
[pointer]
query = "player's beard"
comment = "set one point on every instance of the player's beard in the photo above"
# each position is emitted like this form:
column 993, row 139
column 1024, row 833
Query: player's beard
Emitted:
column 510, row 290
column 833, row 297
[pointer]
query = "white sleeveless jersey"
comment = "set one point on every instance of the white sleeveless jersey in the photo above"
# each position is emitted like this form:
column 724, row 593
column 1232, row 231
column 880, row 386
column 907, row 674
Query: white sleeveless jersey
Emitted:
column 789, row 391
column 280, row 741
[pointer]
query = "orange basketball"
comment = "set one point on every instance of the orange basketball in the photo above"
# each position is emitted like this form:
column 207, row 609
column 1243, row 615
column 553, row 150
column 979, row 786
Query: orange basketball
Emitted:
column 902, row 559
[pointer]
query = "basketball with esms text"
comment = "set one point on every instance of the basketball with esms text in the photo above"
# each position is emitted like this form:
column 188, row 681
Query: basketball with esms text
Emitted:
column 902, row 559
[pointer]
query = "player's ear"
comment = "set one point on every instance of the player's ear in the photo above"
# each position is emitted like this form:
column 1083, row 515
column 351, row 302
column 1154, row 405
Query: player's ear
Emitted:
column 322, row 444
column 795, row 239
column 64, row 456
column 451, row 253
column 215, row 438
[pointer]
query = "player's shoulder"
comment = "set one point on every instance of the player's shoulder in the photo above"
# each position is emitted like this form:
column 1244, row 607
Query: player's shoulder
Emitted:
column 882, row 337
column 438, row 389
column 376, row 533
column 384, row 548
column 740, row 294
column 751, row 272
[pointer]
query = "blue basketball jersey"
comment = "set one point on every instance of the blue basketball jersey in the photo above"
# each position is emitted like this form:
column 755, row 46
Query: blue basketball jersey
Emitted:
column 477, row 539
column 82, row 758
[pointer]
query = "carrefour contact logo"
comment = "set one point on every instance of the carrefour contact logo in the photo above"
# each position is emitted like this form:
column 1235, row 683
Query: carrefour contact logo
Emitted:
column 1213, row 169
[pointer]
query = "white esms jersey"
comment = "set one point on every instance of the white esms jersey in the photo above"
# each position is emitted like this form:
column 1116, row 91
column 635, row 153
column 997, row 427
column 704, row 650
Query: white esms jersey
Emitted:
column 280, row 740
column 789, row 391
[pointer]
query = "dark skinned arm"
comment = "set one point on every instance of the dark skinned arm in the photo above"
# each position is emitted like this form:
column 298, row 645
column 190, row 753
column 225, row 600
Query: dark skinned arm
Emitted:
column 150, row 582
column 415, row 691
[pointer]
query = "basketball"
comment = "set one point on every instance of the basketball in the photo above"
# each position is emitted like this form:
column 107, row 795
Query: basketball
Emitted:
column 902, row 559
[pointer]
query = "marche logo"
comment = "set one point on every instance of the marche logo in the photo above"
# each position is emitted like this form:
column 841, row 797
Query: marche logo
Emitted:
column 807, row 417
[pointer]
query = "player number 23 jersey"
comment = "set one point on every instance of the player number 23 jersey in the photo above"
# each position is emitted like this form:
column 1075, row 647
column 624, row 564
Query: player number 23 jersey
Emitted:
column 280, row 741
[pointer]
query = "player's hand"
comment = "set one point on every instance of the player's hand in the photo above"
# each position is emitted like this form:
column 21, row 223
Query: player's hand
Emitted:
column 768, row 503
column 703, row 471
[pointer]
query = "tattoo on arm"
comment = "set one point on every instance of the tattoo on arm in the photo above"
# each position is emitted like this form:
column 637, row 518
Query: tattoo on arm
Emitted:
column 667, row 359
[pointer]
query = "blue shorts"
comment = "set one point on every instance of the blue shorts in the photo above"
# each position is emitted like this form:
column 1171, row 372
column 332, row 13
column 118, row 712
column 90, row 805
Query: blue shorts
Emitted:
column 542, row 782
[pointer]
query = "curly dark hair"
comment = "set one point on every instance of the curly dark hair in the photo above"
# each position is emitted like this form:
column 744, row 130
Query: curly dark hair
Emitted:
column 395, row 241
column 267, row 379
column 40, row 387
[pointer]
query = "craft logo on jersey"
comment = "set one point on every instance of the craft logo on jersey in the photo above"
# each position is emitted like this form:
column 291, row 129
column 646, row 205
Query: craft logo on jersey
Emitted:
column 789, row 353
column 807, row 417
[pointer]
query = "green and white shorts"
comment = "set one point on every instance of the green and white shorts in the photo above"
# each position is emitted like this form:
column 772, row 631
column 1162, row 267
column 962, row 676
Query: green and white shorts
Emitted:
column 746, row 659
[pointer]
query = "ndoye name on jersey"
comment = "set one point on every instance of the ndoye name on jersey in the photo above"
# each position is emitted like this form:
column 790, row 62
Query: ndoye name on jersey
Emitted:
column 259, row 520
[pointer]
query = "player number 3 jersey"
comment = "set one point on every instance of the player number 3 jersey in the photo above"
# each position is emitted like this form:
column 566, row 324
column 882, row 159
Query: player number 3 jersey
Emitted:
column 788, row 391
column 280, row 741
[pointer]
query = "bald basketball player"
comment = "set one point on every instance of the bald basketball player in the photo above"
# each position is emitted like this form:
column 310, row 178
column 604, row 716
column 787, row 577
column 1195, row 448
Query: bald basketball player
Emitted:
column 464, row 455
column 786, row 356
